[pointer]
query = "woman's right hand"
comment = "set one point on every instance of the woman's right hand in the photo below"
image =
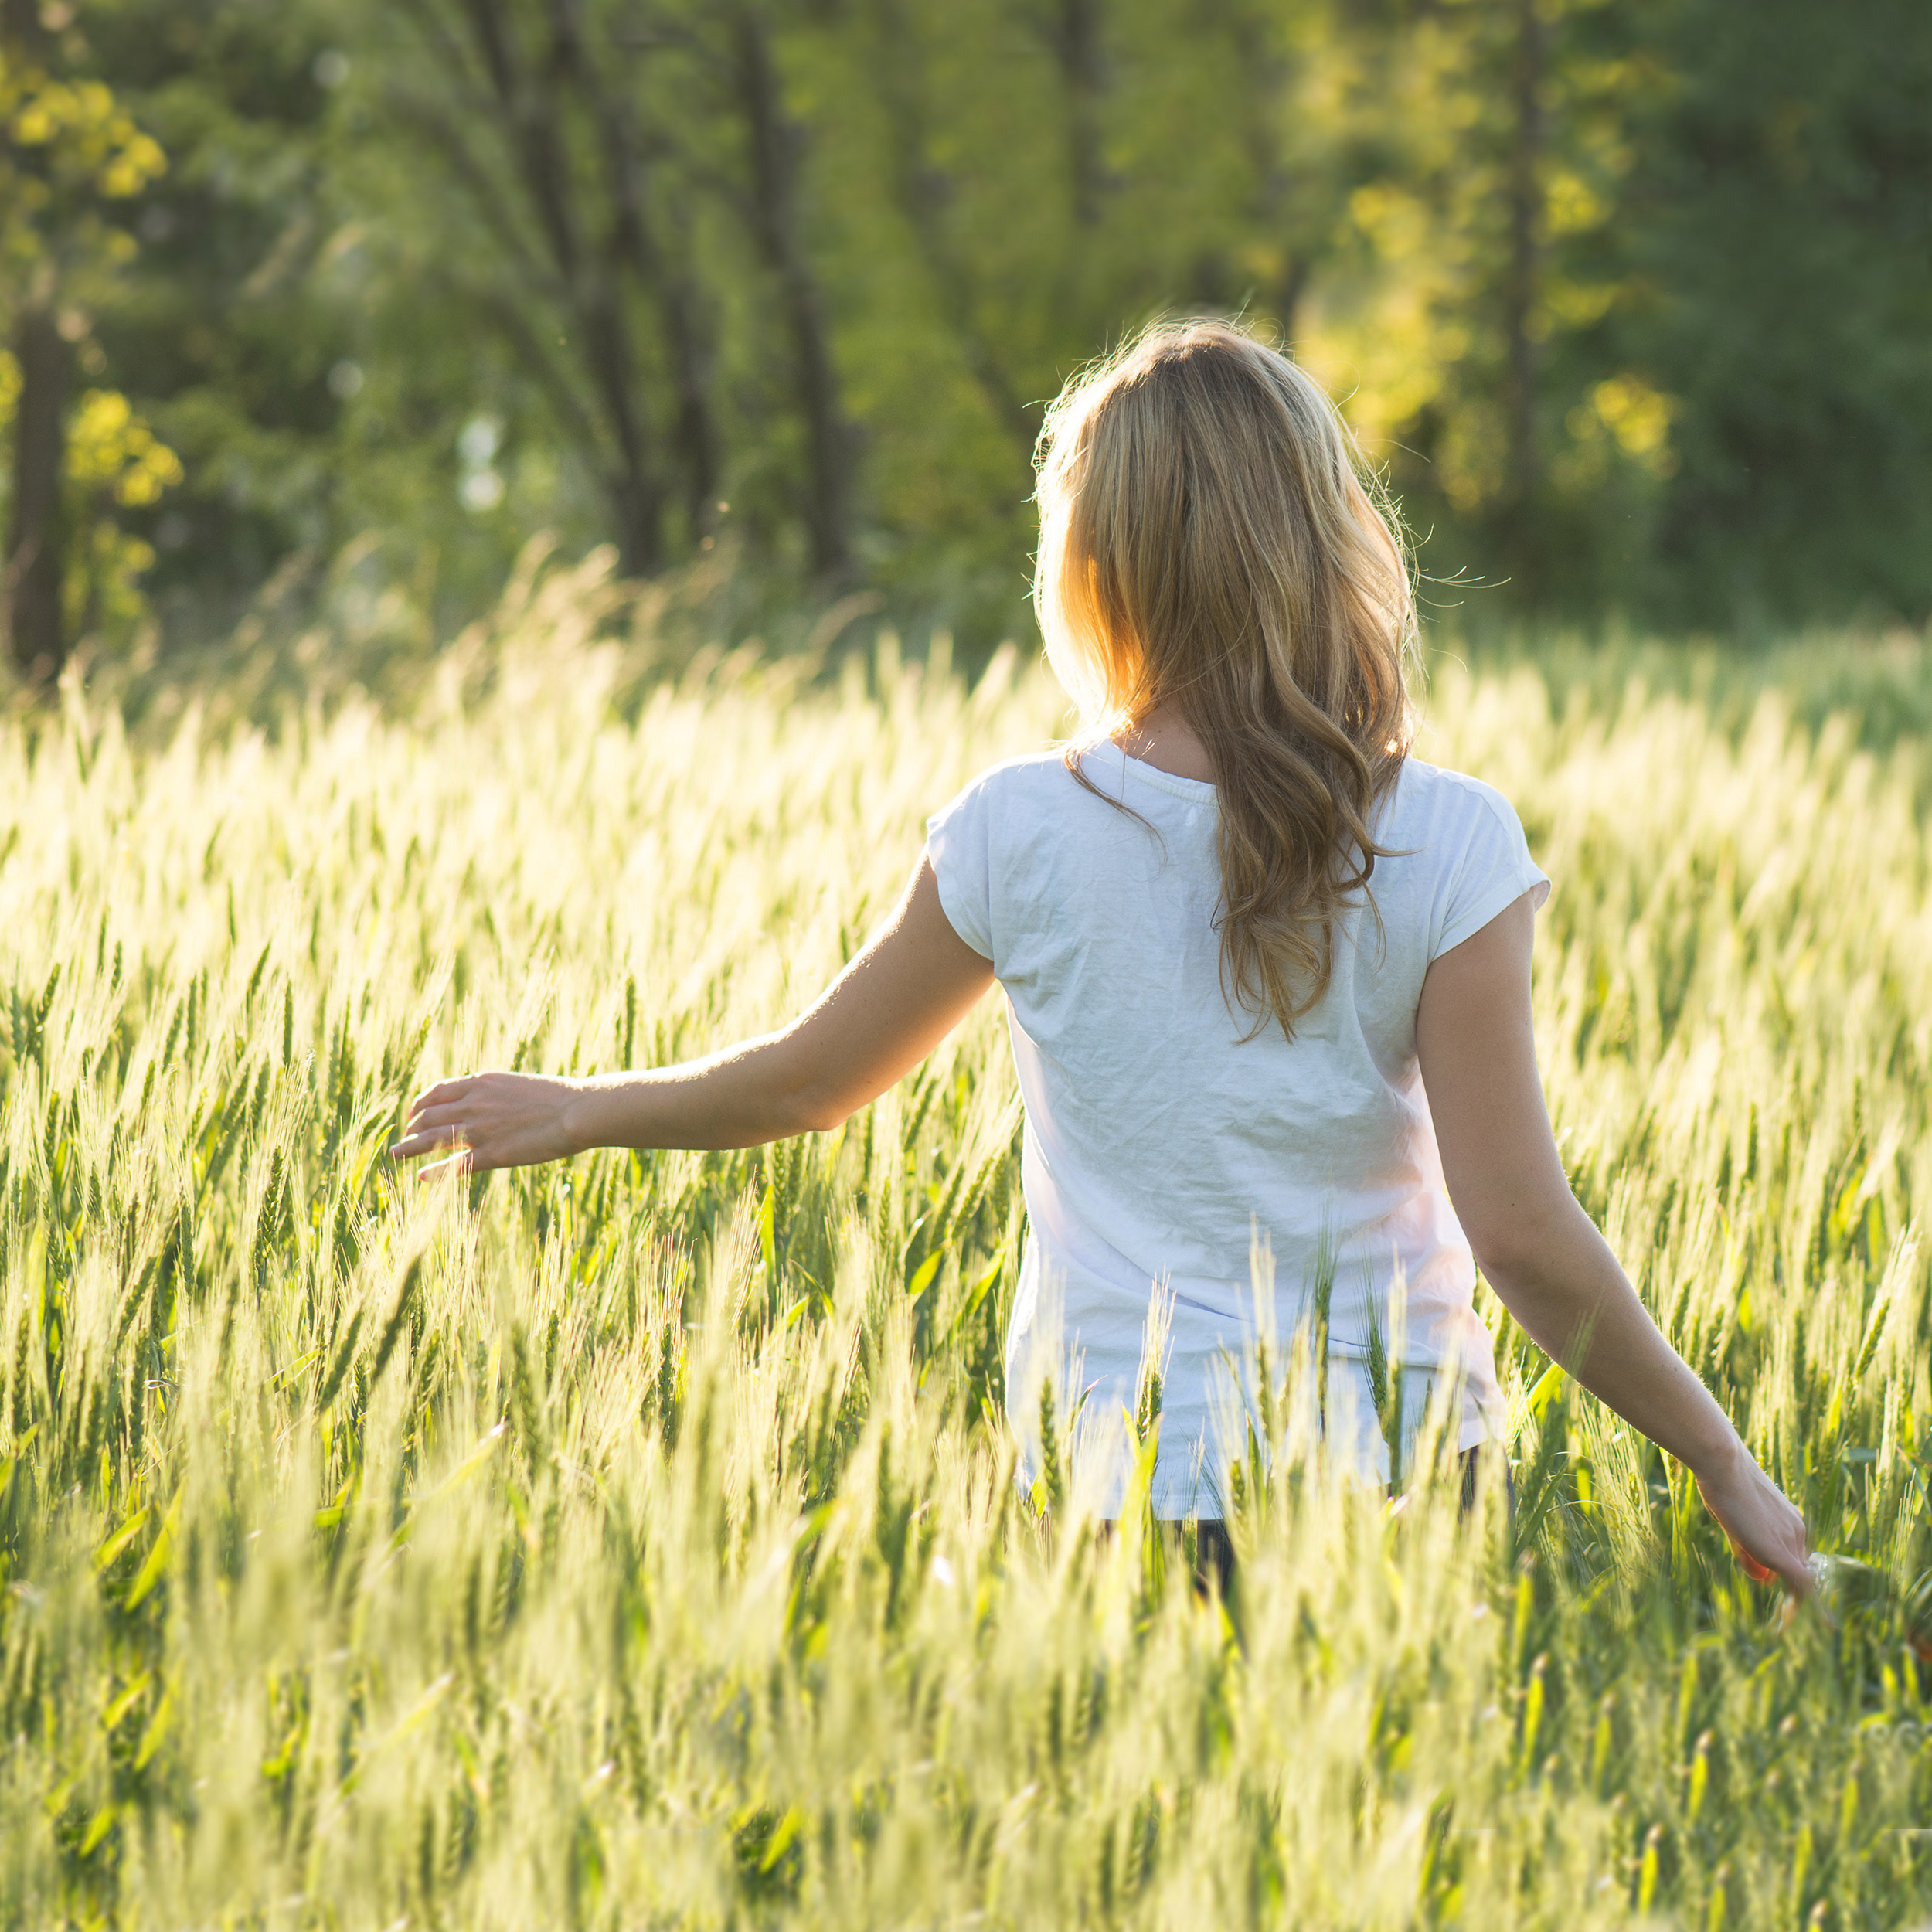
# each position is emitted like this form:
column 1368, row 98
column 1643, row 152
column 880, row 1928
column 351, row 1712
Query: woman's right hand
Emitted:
column 1764, row 1529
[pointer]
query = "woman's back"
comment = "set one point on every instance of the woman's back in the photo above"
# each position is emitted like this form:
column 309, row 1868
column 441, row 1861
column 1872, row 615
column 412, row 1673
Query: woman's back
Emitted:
column 1164, row 1132
column 1226, row 997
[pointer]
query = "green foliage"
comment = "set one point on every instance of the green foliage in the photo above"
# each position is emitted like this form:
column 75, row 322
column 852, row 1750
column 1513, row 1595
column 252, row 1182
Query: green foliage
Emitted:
column 72, row 159
column 1780, row 183
column 1630, row 297
column 635, row 1542
column 314, row 394
column 67, row 147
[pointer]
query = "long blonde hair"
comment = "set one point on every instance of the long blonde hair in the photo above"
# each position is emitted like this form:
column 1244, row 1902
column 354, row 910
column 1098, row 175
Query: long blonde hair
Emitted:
column 1211, row 538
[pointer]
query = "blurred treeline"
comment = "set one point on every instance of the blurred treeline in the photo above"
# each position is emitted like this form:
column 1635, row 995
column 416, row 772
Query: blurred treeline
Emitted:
column 317, row 309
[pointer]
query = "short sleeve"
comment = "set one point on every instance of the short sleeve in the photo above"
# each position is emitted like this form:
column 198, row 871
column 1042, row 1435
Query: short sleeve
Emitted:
column 1493, row 869
column 959, row 844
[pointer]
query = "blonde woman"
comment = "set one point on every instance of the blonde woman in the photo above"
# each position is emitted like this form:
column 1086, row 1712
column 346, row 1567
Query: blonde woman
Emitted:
column 1266, row 970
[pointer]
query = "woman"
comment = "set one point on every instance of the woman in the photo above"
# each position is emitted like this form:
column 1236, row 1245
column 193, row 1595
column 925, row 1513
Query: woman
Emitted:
column 1268, row 973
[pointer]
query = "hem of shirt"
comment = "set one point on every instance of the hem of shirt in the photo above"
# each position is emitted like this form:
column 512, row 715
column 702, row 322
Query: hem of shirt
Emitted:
column 1501, row 892
column 1177, row 1499
column 946, row 896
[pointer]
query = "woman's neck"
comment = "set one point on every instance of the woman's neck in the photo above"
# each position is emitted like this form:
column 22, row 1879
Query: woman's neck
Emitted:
column 1162, row 739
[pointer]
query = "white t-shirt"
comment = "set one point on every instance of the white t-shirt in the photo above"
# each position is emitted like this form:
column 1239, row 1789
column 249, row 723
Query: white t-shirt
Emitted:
column 1160, row 1144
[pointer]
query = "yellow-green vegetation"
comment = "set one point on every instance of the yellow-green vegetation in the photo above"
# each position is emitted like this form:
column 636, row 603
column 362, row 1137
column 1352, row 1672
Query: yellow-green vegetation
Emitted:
column 635, row 1542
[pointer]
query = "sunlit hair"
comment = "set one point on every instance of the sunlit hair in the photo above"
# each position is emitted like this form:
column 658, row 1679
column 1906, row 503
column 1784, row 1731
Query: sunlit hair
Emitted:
column 1211, row 538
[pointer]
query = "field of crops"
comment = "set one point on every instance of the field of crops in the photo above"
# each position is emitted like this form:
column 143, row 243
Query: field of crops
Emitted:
column 633, row 1543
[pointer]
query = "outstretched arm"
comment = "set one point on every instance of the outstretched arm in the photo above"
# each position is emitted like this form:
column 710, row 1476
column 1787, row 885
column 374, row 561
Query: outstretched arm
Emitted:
column 1543, row 1254
column 914, row 982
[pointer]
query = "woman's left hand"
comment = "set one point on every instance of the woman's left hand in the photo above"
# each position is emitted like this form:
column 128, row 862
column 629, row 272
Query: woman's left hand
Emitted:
column 486, row 1121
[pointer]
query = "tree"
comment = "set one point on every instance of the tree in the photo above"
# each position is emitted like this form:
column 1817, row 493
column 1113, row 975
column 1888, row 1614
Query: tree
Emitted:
column 589, row 143
column 774, row 143
column 1779, row 215
column 69, row 151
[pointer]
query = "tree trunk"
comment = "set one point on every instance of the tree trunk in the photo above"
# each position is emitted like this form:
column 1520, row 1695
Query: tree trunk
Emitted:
column 776, row 144
column 689, row 344
column 1519, row 294
column 30, row 589
column 1076, row 39
column 632, row 245
column 529, row 99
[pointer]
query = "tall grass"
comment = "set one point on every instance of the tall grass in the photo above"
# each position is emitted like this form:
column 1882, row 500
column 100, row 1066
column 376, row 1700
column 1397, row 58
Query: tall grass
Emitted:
column 635, row 1543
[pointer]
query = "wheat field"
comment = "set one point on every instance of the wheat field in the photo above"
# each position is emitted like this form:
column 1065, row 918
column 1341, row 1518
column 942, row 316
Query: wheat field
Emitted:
column 635, row 1543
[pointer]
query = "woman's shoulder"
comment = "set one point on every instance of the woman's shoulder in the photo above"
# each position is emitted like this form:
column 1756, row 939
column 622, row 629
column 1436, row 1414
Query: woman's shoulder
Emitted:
column 1028, row 771
column 1456, row 847
column 1440, row 824
column 1436, row 803
column 1013, row 782
column 1014, row 787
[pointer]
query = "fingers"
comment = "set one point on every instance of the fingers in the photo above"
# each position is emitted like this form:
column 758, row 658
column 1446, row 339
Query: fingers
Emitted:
column 1766, row 1533
column 428, row 1127
column 1785, row 1569
column 435, row 1119
column 1802, row 1578
column 442, row 1094
column 1787, row 1564
column 459, row 1166
column 494, row 1120
column 437, row 1124
column 1795, row 1568
column 1791, row 1573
